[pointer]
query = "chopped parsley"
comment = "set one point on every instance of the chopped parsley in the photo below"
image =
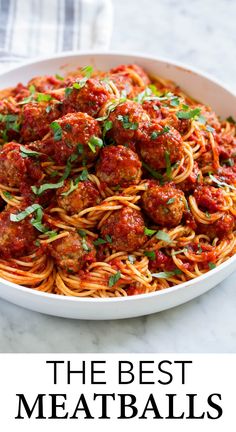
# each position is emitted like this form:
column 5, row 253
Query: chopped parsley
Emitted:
column 211, row 265
column 155, row 135
column 81, row 232
column 7, row 195
column 106, row 127
column 95, row 142
column 48, row 109
column 188, row 114
column 68, row 91
column 162, row 235
column 175, row 102
column 168, row 164
column 114, row 279
column 11, row 123
column 57, row 130
column 150, row 254
column 42, row 97
column 85, row 245
column 30, row 98
column 126, row 123
column 111, row 107
column 149, row 232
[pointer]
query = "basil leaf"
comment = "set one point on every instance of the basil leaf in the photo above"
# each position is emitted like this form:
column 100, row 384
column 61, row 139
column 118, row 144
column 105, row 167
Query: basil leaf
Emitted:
column 39, row 190
column 165, row 275
column 162, row 235
column 114, row 278
column 24, row 152
column 154, row 173
column 211, row 265
column 99, row 242
column 81, row 232
column 23, row 214
column 72, row 188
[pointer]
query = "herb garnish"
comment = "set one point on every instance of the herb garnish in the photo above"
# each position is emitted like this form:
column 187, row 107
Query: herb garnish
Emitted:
column 95, row 142
column 166, row 275
column 153, row 172
column 155, row 134
column 114, row 278
column 188, row 114
column 57, row 130
column 211, row 265
column 168, row 164
column 24, row 152
column 126, row 123
column 221, row 183
column 150, row 254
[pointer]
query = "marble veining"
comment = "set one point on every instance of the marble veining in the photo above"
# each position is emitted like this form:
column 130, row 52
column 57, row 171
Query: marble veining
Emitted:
column 200, row 33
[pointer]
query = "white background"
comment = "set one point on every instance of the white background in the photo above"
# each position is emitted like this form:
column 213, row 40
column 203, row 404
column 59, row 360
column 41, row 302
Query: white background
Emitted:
column 29, row 374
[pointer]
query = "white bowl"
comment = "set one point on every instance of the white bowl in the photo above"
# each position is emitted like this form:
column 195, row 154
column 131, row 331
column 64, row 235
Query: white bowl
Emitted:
column 200, row 86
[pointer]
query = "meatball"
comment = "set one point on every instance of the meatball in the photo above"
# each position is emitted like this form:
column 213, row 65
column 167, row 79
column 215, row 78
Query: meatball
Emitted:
column 181, row 125
column 9, row 120
column 89, row 99
column 16, row 238
column 84, row 196
column 72, row 253
column 153, row 108
column 127, row 119
column 157, row 142
column 126, row 229
column 164, row 204
column 226, row 146
column 137, row 73
column 118, row 165
column 123, row 83
column 191, row 182
column 45, row 83
column 221, row 228
column 71, row 134
column 36, row 118
column 16, row 170
column 209, row 198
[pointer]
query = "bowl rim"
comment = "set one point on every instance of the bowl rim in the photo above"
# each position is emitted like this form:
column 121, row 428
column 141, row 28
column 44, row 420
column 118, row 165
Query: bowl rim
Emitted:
column 138, row 297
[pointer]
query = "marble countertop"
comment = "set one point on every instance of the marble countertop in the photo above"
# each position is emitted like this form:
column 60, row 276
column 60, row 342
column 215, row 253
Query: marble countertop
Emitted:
column 200, row 33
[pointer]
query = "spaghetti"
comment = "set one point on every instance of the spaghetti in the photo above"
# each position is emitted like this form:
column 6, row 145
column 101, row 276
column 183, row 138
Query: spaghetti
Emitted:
column 112, row 184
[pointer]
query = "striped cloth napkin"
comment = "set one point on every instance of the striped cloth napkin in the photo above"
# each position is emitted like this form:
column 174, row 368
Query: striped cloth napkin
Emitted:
column 32, row 28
